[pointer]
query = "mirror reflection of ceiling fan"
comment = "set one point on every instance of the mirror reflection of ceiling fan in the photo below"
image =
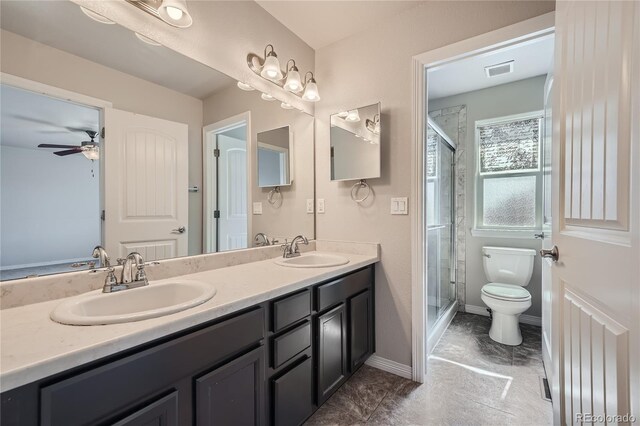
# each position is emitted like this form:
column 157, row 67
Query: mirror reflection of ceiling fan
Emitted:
column 87, row 148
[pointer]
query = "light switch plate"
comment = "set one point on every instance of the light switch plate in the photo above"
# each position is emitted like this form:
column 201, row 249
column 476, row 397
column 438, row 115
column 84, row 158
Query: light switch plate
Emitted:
column 400, row 205
column 257, row 208
column 320, row 205
column 310, row 205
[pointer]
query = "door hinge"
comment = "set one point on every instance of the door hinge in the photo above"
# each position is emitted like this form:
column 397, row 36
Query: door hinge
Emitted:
column 102, row 133
column 216, row 214
column 102, row 215
column 216, row 153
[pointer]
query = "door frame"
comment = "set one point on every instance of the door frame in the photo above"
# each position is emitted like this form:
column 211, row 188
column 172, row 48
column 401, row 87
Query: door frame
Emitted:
column 520, row 32
column 209, row 170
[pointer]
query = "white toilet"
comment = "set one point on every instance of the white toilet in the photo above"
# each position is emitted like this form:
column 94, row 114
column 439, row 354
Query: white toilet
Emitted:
column 509, row 271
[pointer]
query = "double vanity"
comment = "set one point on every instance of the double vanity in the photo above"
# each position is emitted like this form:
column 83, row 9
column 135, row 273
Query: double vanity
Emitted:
column 271, row 342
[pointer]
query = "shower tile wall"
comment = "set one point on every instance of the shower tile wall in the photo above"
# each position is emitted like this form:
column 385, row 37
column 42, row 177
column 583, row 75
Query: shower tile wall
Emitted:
column 453, row 121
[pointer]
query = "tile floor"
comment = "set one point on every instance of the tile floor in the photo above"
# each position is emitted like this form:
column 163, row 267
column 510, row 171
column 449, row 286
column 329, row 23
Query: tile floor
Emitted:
column 471, row 380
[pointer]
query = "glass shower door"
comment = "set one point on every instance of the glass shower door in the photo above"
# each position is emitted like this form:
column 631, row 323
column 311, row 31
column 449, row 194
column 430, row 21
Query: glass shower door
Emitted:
column 441, row 276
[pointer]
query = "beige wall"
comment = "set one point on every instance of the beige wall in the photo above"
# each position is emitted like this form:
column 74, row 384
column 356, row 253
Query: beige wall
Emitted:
column 34, row 61
column 290, row 218
column 373, row 66
column 514, row 98
column 222, row 34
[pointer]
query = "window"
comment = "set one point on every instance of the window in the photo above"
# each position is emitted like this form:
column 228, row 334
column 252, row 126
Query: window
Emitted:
column 509, row 176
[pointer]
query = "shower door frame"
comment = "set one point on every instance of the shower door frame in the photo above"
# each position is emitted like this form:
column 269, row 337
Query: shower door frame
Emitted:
column 531, row 29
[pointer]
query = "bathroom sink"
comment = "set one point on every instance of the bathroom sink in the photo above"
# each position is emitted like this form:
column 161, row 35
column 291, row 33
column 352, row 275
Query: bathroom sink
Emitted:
column 313, row 260
column 151, row 301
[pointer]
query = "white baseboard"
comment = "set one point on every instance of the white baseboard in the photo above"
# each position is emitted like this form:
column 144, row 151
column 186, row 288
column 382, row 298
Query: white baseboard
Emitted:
column 389, row 366
column 482, row 310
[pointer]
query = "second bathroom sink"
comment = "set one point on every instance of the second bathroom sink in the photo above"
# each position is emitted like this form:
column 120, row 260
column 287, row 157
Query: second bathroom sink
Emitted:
column 313, row 260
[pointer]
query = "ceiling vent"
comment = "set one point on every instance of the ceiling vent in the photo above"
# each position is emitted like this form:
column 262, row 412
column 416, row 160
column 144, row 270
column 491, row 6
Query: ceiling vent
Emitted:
column 499, row 69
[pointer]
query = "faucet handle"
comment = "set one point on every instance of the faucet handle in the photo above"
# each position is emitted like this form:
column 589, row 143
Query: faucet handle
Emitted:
column 110, row 280
column 141, row 275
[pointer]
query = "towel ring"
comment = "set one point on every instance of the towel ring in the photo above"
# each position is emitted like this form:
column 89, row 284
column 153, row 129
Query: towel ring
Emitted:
column 357, row 187
column 272, row 199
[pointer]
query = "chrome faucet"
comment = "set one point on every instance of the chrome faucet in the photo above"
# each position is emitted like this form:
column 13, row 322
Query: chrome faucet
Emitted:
column 291, row 249
column 129, row 279
column 261, row 240
column 101, row 254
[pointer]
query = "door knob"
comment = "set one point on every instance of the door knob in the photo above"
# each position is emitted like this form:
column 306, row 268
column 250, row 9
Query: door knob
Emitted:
column 553, row 253
column 180, row 230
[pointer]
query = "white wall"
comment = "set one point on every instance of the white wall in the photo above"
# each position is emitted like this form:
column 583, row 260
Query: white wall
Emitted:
column 507, row 99
column 36, row 227
column 373, row 66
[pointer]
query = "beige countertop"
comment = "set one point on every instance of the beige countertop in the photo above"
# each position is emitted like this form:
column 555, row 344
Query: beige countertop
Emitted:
column 34, row 347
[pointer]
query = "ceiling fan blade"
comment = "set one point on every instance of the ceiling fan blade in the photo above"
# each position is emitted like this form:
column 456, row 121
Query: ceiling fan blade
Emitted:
column 49, row 145
column 68, row 152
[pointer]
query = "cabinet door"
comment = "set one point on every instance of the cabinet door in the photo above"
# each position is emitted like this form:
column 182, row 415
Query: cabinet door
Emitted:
column 332, row 351
column 163, row 412
column 360, row 329
column 232, row 394
column 293, row 395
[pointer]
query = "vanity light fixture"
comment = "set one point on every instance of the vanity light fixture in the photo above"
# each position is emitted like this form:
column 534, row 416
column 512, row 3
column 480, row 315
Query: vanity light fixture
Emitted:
column 311, row 93
column 268, row 67
column 293, row 83
column 147, row 40
column 271, row 67
column 96, row 16
column 173, row 12
column 285, row 105
column 353, row 116
column 245, row 86
column 267, row 97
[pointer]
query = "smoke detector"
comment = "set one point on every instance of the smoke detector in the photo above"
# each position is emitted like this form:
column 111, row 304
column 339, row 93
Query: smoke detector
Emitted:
column 499, row 69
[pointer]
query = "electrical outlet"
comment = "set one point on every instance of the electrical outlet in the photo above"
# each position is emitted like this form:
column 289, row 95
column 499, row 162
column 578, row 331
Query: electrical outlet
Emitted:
column 321, row 205
column 400, row 205
column 310, row 205
column 257, row 208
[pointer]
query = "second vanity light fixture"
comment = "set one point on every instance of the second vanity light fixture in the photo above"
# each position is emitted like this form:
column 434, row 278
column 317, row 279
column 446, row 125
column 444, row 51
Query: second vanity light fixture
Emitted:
column 268, row 67
column 173, row 12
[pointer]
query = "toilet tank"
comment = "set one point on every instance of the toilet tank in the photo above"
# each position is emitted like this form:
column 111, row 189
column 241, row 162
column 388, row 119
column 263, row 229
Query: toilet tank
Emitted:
column 508, row 265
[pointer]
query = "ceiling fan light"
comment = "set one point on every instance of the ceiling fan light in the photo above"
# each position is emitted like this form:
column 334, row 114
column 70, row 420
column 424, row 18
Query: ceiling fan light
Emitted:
column 175, row 12
column 96, row 16
column 92, row 153
column 271, row 68
column 311, row 92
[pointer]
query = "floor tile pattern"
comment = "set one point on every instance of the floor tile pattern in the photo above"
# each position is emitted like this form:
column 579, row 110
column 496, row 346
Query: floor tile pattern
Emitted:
column 471, row 380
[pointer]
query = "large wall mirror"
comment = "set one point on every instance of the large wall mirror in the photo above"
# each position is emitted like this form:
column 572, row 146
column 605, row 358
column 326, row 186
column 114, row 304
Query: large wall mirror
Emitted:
column 355, row 144
column 184, row 166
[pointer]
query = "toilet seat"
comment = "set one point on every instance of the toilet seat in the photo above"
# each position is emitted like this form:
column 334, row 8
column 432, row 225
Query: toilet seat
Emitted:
column 508, row 292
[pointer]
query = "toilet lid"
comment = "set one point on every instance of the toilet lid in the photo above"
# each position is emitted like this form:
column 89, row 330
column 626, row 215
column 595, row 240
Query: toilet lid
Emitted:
column 506, row 291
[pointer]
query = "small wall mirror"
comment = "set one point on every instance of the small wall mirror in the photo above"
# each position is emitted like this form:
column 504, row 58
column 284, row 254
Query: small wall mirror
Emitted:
column 275, row 157
column 355, row 144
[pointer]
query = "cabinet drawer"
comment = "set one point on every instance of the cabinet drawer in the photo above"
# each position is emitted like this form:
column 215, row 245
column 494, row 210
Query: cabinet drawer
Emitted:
column 290, row 310
column 293, row 396
column 337, row 291
column 291, row 344
column 123, row 384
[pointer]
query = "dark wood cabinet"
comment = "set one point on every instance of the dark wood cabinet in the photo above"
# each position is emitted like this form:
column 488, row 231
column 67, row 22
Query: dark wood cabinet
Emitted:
column 360, row 329
column 332, row 351
column 273, row 363
column 232, row 394
column 163, row 412
column 293, row 395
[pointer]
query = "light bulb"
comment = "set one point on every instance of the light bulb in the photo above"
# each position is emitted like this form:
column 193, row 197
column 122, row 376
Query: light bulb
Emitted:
column 271, row 68
column 174, row 13
column 293, row 83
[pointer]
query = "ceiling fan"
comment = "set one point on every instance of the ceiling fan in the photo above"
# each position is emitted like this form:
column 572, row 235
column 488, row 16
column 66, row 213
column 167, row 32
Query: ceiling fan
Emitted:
column 88, row 148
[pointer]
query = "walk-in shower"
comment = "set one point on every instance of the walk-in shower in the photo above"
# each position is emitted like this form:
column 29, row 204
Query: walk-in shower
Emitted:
column 440, row 211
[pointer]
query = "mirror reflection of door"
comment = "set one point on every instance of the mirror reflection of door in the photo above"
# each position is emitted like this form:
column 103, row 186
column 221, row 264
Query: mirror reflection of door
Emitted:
column 226, row 186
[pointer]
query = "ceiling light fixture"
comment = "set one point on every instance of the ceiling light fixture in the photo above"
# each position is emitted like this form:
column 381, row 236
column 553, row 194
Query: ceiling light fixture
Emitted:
column 245, row 86
column 146, row 39
column 173, row 12
column 267, row 97
column 268, row 67
column 96, row 16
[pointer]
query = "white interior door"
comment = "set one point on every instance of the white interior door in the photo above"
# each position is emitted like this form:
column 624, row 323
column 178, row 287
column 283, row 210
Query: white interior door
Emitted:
column 146, row 186
column 596, row 214
column 232, row 193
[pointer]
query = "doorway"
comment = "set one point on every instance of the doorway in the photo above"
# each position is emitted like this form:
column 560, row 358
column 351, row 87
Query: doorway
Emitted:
column 227, row 195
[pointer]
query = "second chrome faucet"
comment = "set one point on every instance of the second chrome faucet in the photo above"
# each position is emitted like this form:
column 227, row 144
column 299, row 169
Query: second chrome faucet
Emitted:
column 133, row 274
